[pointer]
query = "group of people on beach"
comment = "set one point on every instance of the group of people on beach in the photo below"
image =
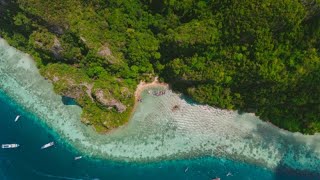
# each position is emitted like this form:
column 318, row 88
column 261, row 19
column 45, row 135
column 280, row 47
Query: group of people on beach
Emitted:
column 157, row 93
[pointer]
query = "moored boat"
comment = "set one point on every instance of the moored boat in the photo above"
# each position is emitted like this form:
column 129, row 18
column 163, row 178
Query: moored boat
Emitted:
column 17, row 118
column 77, row 158
column 9, row 146
column 47, row 145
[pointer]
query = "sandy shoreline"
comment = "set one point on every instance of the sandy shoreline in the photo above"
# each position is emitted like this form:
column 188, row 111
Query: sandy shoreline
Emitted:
column 137, row 95
column 143, row 85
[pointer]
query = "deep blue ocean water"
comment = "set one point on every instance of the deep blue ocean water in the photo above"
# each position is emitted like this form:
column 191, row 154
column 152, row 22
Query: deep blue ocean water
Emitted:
column 29, row 162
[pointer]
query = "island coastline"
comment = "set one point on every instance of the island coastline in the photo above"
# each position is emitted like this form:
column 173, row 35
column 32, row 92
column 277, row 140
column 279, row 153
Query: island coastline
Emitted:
column 155, row 130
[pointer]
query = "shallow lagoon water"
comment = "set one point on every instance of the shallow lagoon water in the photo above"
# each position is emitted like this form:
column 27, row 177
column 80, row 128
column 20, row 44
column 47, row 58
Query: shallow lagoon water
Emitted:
column 29, row 162
column 154, row 142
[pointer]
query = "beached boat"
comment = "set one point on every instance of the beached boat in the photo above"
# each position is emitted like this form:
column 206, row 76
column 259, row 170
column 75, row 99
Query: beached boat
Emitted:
column 77, row 158
column 17, row 118
column 9, row 146
column 47, row 145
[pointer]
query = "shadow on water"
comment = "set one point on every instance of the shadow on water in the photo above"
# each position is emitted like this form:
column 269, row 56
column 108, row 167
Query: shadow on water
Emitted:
column 68, row 101
column 190, row 101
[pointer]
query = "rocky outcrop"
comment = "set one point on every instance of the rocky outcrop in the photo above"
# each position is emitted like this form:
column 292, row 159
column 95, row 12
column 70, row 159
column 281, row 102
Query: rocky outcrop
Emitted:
column 56, row 48
column 74, row 92
column 88, row 90
column 56, row 29
column 83, row 39
column 99, row 95
column 55, row 78
column 38, row 43
column 104, row 51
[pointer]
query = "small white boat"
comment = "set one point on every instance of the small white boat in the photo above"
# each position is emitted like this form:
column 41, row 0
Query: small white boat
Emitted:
column 77, row 158
column 47, row 145
column 9, row 146
column 17, row 118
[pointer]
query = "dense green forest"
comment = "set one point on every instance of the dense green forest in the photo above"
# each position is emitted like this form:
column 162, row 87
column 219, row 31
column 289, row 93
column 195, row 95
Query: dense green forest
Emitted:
column 259, row 56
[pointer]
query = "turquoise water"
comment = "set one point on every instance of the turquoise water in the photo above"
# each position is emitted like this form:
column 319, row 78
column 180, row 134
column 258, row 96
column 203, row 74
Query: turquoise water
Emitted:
column 193, row 142
column 29, row 162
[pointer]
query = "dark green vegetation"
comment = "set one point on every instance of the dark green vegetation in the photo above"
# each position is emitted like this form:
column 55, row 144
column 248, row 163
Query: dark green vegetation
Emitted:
column 256, row 56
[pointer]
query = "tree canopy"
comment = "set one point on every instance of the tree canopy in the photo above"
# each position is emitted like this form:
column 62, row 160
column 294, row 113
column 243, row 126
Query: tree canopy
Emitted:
column 254, row 56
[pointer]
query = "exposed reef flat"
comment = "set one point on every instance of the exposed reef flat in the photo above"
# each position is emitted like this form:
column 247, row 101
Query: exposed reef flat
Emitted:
column 155, row 131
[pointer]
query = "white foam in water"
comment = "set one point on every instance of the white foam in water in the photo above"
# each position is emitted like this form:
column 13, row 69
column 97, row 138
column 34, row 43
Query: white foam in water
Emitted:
column 155, row 131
